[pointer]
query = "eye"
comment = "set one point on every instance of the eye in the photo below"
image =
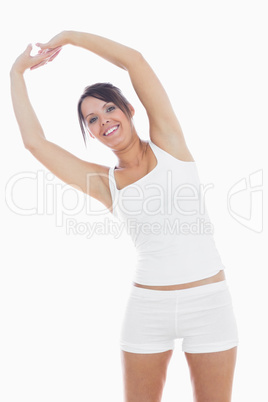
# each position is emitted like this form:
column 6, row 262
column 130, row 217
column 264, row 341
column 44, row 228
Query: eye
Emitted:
column 92, row 120
column 110, row 108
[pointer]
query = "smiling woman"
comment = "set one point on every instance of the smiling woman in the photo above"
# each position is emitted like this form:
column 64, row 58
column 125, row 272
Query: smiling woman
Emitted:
column 179, row 288
column 107, row 123
column 105, row 92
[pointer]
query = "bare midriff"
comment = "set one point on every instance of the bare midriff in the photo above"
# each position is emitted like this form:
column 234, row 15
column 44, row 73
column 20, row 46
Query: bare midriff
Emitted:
column 220, row 276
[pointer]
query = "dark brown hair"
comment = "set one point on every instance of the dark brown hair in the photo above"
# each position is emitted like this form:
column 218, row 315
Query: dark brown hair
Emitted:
column 105, row 92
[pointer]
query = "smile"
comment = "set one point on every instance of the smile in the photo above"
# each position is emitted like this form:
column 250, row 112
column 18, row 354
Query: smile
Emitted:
column 111, row 130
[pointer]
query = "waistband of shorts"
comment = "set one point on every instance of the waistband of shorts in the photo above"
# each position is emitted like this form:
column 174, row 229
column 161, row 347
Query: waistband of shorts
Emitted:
column 189, row 292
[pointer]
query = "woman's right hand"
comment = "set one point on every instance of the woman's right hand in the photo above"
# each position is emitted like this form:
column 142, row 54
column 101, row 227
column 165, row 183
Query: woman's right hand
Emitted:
column 25, row 60
column 57, row 41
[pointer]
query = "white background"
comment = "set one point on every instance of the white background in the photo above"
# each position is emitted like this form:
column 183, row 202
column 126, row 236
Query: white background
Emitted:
column 62, row 296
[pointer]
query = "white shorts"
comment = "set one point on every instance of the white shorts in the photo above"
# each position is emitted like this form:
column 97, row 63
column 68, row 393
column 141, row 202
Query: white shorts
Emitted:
column 202, row 316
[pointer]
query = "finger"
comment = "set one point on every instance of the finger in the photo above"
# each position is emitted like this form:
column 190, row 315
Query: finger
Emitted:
column 42, row 45
column 49, row 56
column 39, row 60
column 28, row 49
column 44, row 62
column 44, row 51
column 54, row 49
column 54, row 55
column 49, row 51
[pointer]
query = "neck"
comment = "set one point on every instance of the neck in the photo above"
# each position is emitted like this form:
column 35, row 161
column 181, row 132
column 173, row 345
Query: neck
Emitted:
column 132, row 154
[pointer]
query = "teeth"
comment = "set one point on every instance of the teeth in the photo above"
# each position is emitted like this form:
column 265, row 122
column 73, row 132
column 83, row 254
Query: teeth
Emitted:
column 111, row 130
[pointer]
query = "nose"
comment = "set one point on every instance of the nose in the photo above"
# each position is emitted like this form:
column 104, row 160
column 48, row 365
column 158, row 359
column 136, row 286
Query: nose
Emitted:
column 105, row 121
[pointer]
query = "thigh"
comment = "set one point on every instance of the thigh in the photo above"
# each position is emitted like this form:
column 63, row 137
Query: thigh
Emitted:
column 212, row 375
column 144, row 375
column 206, row 320
column 148, row 324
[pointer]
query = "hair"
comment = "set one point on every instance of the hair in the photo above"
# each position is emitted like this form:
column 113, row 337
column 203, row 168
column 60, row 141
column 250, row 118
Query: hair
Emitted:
column 105, row 92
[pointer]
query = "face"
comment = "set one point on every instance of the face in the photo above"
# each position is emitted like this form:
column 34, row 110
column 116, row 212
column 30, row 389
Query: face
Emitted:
column 105, row 121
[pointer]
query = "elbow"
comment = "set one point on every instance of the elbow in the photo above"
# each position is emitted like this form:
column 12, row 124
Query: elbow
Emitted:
column 28, row 146
column 139, row 57
column 32, row 145
column 135, row 58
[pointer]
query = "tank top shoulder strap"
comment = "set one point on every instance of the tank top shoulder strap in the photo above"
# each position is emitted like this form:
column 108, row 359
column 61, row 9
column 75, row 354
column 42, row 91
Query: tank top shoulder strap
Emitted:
column 112, row 183
column 113, row 191
column 160, row 154
column 165, row 157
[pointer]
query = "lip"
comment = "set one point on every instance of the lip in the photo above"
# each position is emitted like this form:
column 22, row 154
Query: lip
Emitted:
column 108, row 135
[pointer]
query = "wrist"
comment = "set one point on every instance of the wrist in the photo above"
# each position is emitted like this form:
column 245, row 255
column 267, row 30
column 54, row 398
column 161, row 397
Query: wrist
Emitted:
column 69, row 37
column 74, row 37
column 15, row 72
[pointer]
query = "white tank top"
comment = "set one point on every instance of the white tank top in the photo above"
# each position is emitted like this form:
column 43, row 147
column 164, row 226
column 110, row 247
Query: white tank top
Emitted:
column 165, row 215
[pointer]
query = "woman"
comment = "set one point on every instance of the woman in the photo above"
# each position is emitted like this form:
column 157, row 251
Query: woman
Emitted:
column 179, row 288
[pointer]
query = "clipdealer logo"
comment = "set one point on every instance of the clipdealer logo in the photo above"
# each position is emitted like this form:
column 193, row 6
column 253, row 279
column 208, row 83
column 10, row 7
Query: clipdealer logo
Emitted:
column 48, row 197
column 132, row 227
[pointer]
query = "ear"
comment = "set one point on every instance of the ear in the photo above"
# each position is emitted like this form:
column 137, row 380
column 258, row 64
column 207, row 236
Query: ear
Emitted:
column 132, row 110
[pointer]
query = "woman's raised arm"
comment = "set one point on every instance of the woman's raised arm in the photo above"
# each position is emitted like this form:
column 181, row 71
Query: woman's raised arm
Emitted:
column 165, row 130
column 88, row 177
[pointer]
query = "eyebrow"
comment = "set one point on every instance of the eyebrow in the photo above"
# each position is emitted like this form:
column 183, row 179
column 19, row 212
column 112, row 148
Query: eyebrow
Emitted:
column 102, row 108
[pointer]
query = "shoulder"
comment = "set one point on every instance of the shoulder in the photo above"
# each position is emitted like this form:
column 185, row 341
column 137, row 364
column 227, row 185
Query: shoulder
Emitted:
column 174, row 145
